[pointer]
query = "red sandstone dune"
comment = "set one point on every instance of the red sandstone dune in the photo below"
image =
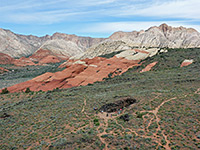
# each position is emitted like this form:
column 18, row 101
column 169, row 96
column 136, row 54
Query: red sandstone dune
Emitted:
column 77, row 74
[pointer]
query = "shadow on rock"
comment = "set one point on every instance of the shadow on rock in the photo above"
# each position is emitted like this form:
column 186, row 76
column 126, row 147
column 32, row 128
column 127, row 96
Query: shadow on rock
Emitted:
column 120, row 104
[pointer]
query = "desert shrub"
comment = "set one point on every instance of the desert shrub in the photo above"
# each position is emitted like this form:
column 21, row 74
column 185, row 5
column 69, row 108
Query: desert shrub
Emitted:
column 5, row 91
column 27, row 90
column 139, row 115
column 60, row 143
column 96, row 122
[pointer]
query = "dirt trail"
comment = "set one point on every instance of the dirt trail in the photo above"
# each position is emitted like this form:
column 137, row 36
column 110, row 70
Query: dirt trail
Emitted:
column 197, row 91
column 85, row 103
column 103, row 115
column 155, row 112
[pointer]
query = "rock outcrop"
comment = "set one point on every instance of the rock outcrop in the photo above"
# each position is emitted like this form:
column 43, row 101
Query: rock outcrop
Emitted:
column 77, row 74
column 148, row 67
column 187, row 62
column 6, row 59
column 86, row 71
column 23, row 61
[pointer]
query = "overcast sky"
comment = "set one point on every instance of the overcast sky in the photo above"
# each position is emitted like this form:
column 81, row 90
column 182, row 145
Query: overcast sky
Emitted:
column 96, row 18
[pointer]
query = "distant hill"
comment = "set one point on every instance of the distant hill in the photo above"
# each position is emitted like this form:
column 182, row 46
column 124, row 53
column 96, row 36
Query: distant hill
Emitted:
column 16, row 45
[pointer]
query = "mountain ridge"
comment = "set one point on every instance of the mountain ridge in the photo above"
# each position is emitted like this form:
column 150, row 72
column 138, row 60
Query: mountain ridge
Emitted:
column 80, row 47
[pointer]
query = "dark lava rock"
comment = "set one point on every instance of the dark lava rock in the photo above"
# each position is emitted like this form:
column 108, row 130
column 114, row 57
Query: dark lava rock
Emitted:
column 120, row 104
column 124, row 117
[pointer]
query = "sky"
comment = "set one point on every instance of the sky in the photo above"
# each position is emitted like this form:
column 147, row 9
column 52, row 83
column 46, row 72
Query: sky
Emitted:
column 95, row 18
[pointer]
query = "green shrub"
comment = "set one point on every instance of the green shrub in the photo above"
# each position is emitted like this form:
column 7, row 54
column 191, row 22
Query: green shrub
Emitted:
column 96, row 122
column 139, row 115
column 5, row 91
column 27, row 90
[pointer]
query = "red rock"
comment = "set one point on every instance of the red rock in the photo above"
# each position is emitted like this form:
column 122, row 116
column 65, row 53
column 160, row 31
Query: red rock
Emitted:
column 141, row 51
column 94, row 61
column 148, row 67
column 49, row 59
column 78, row 74
column 3, row 70
column 47, row 54
column 187, row 62
column 44, row 77
column 6, row 59
column 40, row 54
column 23, row 61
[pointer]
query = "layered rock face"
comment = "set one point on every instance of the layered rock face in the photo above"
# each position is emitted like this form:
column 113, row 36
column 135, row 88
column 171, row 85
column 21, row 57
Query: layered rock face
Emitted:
column 6, row 59
column 160, row 37
column 77, row 47
column 16, row 45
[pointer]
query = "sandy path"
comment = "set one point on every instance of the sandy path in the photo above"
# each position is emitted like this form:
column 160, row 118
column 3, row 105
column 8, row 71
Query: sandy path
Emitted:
column 85, row 103
column 155, row 112
column 105, row 120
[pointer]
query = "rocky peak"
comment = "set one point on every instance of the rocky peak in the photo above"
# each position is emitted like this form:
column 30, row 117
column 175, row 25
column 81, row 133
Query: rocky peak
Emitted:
column 164, row 27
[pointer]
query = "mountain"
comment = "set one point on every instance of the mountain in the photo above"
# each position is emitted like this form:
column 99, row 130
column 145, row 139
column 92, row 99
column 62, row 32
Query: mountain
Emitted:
column 16, row 45
column 160, row 37
column 79, row 47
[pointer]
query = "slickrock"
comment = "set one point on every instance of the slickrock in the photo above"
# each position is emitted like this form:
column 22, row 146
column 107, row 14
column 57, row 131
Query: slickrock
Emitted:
column 136, row 54
column 148, row 67
column 23, row 61
column 77, row 74
column 187, row 62
column 49, row 59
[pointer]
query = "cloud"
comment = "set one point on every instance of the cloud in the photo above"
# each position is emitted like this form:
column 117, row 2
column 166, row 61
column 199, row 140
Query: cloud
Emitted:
column 94, row 16
column 21, row 11
column 110, row 27
column 188, row 9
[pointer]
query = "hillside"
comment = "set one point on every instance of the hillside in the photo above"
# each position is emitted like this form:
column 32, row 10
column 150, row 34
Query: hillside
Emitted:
column 85, row 71
column 164, row 116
